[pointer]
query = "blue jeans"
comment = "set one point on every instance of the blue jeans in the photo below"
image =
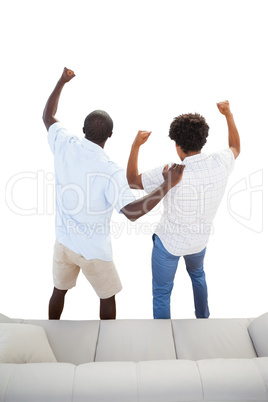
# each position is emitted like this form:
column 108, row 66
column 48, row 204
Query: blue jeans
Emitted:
column 164, row 266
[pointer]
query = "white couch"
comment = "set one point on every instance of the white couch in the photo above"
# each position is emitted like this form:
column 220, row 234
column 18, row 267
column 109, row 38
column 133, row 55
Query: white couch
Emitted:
column 142, row 360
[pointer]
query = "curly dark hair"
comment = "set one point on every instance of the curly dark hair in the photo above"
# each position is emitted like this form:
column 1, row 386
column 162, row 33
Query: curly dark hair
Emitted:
column 98, row 126
column 189, row 131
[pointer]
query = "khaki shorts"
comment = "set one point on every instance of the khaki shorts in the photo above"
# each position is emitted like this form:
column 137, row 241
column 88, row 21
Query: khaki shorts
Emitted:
column 102, row 275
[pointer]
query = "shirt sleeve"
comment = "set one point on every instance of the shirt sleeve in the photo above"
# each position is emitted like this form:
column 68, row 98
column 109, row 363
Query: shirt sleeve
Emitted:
column 226, row 158
column 58, row 137
column 118, row 192
column 152, row 179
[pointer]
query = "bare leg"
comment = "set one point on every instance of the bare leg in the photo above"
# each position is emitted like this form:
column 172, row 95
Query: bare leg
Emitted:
column 107, row 308
column 56, row 304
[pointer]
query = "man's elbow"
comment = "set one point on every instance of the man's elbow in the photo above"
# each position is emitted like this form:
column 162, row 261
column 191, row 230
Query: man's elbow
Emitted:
column 135, row 182
column 133, row 186
column 48, row 120
column 131, row 219
column 236, row 151
column 130, row 215
column 130, row 180
column 46, row 124
column 45, row 120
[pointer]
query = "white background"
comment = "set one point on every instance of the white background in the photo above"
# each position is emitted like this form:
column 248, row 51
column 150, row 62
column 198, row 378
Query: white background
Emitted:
column 144, row 62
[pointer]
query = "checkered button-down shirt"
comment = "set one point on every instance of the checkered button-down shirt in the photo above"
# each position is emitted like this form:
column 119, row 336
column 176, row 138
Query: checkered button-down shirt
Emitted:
column 190, row 206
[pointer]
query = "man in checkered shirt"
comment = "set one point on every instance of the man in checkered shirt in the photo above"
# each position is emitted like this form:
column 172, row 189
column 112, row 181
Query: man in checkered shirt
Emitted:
column 190, row 206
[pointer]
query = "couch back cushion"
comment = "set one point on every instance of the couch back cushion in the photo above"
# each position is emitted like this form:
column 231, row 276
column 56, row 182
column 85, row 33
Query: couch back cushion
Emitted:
column 212, row 338
column 135, row 340
column 71, row 341
column 258, row 331
column 21, row 343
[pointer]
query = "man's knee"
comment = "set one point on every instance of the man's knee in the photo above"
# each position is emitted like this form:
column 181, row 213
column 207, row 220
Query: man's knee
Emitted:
column 108, row 301
column 59, row 292
column 196, row 272
column 107, row 308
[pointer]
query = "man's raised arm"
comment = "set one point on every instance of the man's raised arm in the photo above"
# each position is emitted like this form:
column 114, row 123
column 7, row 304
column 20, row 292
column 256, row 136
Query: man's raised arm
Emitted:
column 52, row 103
column 233, row 135
column 133, row 176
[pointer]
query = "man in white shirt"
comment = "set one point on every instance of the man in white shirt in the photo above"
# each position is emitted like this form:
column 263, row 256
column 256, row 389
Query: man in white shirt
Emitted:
column 189, row 208
column 88, row 187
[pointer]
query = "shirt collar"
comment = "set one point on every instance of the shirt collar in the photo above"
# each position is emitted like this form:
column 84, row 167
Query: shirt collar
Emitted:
column 93, row 147
column 194, row 158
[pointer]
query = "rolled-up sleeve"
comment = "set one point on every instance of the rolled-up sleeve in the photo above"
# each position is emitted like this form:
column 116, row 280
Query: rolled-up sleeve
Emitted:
column 118, row 192
column 152, row 179
column 58, row 137
column 226, row 157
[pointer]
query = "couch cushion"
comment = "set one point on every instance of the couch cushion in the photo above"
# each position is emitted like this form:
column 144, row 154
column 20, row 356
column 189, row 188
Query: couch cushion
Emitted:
column 232, row 380
column 135, row 340
column 262, row 364
column 71, row 341
column 212, row 338
column 258, row 330
column 169, row 381
column 6, row 371
column 106, row 382
column 38, row 382
column 24, row 344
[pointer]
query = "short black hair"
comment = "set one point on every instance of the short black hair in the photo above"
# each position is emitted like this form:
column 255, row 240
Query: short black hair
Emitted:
column 98, row 126
column 189, row 131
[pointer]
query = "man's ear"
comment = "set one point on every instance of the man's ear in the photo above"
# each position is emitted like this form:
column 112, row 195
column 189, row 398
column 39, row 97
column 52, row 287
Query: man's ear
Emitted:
column 110, row 134
column 178, row 148
column 84, row 130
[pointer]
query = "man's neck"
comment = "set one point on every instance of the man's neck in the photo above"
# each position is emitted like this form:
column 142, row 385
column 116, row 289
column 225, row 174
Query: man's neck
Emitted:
column 184, row 155
column 101, row 144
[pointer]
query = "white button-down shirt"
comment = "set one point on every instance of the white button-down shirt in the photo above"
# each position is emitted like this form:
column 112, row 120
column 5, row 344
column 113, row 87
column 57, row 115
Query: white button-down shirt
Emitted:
column 190, row 206
column 88, row 187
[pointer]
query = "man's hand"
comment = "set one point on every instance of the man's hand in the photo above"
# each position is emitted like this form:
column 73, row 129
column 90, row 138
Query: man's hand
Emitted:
column 224, row 108
column 141, row 138
column 233, row 135
column 173, row 175
column 67, row 75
